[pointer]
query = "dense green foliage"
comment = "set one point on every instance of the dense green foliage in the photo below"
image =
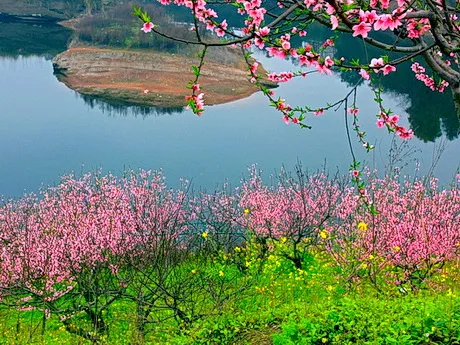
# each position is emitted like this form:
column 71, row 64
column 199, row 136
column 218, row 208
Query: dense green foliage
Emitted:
column 117, row 27
column 282, row 306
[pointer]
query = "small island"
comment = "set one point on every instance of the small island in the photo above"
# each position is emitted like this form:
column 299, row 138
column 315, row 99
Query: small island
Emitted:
column 111, row 59
column 150, row 78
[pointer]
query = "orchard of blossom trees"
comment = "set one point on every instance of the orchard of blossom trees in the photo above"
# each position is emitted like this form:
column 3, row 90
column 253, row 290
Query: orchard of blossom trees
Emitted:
column 425, row 32
column 98, row 241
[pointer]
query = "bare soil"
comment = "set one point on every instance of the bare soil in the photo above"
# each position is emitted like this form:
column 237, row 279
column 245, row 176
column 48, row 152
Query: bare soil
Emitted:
column 148, row 78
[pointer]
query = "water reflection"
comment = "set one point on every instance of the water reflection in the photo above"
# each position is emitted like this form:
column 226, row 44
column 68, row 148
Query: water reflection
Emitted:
column 431, row 114
column 18, row 40
column 47, row 130
column 123, row 109
column 27, row 39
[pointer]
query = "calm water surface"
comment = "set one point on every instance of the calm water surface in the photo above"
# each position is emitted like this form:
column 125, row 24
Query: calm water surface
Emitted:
column 47, row 130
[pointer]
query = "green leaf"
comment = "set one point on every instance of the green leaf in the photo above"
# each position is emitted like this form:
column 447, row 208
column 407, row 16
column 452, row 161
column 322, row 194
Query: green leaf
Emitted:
column 373, row 210
column 196, row 71
column 137, row 11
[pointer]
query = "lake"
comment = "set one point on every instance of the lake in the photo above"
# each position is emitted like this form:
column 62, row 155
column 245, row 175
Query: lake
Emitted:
column 47, row 130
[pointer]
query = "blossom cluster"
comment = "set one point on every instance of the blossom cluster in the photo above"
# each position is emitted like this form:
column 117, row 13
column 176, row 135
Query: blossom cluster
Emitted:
column 420, row 74
column 392, row 123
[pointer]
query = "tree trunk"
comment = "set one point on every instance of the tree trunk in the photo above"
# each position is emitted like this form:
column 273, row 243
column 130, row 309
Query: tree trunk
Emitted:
column 88, row 7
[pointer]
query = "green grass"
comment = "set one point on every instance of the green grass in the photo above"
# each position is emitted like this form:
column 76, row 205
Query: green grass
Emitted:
column 282, row 306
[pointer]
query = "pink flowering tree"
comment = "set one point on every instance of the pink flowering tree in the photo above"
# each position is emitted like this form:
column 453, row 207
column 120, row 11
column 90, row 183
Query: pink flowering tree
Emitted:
column 61, row 252
column 218, row 215
column 78, row 248
column 428, row 29
column 296, row 210
column 414, row 234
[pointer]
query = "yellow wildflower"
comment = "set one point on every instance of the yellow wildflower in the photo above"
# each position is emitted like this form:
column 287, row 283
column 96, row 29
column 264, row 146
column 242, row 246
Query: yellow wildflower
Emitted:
column 323, row 234
column 204, row 235
column 193, row 271
column 363, row 266
column 237, row 249
column 324, row 340
column 221, row 274
column 246, row 211
column 362, row 226
column 396, row 248
column 283, row 239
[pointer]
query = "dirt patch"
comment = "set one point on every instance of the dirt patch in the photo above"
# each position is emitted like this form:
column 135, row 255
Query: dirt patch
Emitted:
column 148, row 78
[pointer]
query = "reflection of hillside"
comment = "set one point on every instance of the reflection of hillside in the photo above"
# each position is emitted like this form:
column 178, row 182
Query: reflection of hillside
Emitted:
column 430, row 113
column 114, row 109
column 26, row 39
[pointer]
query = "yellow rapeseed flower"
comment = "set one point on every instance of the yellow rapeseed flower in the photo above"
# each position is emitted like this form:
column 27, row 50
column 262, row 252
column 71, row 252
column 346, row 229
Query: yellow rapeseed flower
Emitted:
column 362, row 226
column 204, row 235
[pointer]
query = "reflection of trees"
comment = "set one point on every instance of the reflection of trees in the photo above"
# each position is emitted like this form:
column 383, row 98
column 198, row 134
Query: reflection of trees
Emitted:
column 113, row 109
column 27, row 39
column 430, row 113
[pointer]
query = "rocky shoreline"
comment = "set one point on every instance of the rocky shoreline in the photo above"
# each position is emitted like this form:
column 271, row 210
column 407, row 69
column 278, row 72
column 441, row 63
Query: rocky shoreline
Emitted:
column 148, row 78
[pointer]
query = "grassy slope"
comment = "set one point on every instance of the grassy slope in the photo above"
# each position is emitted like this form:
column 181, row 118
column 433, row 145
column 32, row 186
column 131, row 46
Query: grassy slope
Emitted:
column 285, row 306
